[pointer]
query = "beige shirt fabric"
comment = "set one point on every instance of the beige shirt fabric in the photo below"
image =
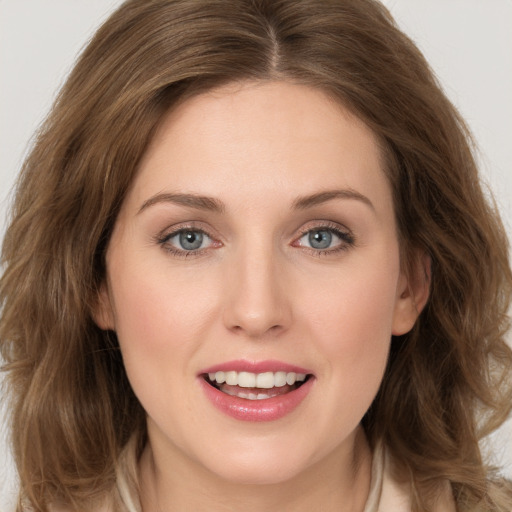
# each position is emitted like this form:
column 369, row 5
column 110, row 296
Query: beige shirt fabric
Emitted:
column 386, row 494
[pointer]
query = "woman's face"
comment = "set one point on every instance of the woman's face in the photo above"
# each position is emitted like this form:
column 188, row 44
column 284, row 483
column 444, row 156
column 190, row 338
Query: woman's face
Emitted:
column 257, row 246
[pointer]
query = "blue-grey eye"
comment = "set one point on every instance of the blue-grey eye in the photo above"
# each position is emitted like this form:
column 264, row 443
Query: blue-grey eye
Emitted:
column 320, row 238
column 187, row 241
column 325, row 238
column 190, row 240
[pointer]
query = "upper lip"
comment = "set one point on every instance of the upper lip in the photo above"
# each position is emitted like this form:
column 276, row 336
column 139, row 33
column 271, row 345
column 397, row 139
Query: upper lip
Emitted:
column 242, row 365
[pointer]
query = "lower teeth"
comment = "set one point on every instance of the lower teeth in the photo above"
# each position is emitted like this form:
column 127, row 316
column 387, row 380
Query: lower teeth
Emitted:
column 254, row 393
column 248, row 396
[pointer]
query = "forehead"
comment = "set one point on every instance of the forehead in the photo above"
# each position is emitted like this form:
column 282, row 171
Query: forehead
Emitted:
column 259, row 138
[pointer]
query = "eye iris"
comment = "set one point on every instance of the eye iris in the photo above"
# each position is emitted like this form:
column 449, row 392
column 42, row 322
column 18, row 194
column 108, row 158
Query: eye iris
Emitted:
column 191, row 240
column 320, row 239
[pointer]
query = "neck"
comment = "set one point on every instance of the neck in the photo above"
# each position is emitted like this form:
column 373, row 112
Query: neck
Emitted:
column 338, row 482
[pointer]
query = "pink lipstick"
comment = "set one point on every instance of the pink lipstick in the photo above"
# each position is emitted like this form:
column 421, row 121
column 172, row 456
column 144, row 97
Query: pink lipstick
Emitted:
column 256, row 391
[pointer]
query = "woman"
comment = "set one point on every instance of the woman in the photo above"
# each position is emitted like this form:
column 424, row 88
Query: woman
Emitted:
column 250, row 265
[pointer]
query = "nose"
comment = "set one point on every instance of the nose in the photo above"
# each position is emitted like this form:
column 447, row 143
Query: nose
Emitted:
column 257, row 299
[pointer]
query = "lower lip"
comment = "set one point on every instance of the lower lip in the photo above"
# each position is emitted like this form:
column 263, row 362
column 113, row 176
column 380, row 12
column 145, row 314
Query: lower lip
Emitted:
column 268, row 409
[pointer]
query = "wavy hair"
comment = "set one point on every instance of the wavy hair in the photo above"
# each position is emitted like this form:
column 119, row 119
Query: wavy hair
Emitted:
column 448, row 382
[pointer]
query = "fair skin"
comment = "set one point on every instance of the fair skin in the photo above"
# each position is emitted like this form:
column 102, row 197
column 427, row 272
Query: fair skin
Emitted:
column 292, row 258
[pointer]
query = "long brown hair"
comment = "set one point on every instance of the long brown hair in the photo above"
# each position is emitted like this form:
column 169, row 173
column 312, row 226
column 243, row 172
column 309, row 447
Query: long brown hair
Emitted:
column 448, row 382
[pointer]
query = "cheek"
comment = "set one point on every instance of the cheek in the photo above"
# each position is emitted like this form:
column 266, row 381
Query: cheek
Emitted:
column 160, row 320
column 352, row 322
column 157, row 308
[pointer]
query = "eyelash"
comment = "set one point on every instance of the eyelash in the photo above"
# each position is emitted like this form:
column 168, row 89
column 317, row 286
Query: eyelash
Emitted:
column 346, row 237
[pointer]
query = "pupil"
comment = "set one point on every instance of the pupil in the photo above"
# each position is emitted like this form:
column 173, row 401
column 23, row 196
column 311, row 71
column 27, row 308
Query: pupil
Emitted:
column 320, row 239
column 191, row 240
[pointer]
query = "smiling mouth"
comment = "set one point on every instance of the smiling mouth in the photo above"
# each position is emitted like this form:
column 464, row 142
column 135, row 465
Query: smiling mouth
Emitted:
column 256, row 386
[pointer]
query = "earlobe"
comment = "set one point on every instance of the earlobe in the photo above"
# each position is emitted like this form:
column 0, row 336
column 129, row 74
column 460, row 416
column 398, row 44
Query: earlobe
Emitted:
column 412, row 294
column 103, row 314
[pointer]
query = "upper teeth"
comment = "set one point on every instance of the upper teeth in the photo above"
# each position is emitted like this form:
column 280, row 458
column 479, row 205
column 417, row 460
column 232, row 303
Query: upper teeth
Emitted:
column 265, row 380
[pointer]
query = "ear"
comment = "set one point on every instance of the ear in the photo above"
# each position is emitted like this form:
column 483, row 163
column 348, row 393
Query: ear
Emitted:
column 103, row 313
column 412, row 293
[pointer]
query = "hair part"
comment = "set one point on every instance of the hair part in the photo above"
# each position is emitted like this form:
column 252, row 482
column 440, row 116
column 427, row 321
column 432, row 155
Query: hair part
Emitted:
column 448, row 382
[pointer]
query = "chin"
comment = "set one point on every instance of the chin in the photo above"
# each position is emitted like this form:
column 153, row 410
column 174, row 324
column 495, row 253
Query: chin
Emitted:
column 257, row 473
column 260, row 464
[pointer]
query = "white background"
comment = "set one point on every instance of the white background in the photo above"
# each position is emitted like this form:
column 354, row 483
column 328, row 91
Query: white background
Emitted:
column 468, row 43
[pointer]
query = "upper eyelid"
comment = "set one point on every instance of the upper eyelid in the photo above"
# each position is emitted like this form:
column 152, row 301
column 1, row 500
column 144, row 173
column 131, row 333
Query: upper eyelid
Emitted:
column 173, row 230
column 326, row 224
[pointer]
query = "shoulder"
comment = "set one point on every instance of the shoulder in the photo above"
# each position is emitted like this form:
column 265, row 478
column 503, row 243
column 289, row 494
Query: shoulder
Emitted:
column 387, row 493
column 397, row 496
column 123, row 496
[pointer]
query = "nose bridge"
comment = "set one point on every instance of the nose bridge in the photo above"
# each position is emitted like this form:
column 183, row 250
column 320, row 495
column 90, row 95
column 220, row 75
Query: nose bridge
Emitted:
column 257, row 302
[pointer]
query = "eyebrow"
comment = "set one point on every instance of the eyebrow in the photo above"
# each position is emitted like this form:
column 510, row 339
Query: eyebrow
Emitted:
column 212, row 204
column 191, row 200
column 304, row 202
